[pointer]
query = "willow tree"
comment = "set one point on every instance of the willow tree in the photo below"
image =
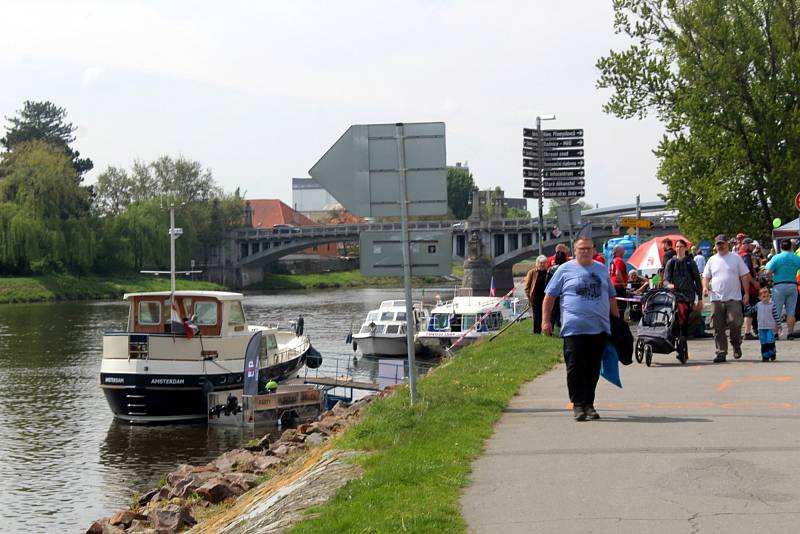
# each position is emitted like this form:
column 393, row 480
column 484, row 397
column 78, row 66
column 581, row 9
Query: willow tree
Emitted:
column 724, row 78
column 41, row 208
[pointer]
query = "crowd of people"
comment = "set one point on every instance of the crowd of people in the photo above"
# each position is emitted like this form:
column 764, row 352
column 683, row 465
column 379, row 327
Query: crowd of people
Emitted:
column 746, row 289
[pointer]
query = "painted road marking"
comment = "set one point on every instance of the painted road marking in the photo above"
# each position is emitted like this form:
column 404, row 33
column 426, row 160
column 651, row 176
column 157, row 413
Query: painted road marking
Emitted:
column 741, row 405
column 727, row 383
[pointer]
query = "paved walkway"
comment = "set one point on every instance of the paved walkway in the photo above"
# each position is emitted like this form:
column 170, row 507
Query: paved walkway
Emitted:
column 692, row 448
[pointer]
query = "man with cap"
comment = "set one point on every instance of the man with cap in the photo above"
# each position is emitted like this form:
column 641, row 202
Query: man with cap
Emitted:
column 724, row 277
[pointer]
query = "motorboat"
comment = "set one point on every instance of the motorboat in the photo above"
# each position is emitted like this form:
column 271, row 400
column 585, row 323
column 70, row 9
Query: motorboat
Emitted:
column 465, row 319
column 160, row 369
column 383, row 332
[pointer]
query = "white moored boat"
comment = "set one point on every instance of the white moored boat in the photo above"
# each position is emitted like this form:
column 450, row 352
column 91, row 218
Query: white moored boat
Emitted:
column 457, row 318
column 159, row 370
column 384, row 330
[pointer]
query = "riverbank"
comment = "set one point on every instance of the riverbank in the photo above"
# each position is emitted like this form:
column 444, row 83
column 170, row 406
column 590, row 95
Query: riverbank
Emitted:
column 415, row 460
column 68, row 287
column 344, row 279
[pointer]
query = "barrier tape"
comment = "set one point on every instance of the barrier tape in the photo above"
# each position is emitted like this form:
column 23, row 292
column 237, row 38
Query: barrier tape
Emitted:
column 485, row 315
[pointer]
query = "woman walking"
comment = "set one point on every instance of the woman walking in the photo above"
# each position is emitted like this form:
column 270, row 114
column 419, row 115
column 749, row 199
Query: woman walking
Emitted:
column 534, row 290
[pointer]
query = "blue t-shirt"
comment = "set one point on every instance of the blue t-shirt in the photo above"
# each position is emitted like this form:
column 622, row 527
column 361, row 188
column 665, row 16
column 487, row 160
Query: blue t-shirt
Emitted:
column 784, row 266
column 584, row 293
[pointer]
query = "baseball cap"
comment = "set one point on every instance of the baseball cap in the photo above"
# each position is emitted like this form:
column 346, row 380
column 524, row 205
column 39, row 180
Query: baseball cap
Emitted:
column 746, row 241
column 721, row 238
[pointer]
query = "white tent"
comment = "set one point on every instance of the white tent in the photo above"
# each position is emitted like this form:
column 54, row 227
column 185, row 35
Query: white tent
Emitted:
column 789, row 230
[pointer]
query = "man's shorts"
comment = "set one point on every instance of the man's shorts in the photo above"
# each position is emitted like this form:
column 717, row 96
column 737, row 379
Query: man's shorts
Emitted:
column 785, row 295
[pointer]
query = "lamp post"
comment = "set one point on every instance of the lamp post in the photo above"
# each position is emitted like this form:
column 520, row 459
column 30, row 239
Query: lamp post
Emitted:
column 539, row 120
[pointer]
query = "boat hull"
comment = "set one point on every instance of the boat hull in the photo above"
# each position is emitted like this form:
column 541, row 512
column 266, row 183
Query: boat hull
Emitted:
column 161, row 398
column 439, row 345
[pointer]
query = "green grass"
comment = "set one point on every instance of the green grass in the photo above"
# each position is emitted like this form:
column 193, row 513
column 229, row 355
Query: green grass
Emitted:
column 336, row 279
column 69, row 287
column 419, row 458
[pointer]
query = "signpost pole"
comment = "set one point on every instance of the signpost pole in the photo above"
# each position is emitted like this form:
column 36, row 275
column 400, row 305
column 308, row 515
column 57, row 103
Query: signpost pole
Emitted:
column 638, row 216
column 410, row 323
column 541, row 177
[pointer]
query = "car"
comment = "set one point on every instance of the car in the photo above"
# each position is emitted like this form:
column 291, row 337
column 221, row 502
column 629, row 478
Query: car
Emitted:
column 286, row 229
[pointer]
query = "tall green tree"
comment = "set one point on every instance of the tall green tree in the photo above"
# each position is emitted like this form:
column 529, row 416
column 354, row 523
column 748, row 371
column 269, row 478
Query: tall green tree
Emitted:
column 459, row 191
column 722, row 77
column 46, row 122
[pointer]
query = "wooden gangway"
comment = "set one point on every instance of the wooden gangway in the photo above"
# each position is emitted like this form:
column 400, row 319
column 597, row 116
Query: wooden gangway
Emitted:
column 330, row 381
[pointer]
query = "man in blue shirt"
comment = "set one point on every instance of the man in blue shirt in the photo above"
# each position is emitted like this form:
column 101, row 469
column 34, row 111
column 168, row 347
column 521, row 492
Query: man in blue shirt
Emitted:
column 783, row 268
column 587, row 297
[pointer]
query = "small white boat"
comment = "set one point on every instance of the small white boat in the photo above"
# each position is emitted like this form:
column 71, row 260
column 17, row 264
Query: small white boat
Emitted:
column 384, row 330
column 457, row 319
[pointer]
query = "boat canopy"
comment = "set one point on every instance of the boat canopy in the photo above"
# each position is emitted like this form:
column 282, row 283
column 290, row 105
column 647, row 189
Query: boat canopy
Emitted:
column 219, row 295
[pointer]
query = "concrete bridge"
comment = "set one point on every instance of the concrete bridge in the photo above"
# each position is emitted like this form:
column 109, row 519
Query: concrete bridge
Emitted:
column 487, row 247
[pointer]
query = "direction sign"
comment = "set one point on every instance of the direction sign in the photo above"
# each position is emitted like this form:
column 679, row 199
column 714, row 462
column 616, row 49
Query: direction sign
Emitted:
column 530, row 193
column 552, row 134
column 636, row 223
column 531, row 183
column 552, row 143
column 550, row 154
column 563, row 193
column 576, row 173
column 361, row 171
column 566, row 163
column 530, row 173
column 562, row 183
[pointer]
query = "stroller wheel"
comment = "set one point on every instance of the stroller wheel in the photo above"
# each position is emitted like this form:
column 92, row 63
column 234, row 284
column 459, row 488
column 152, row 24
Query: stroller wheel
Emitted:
column 639, row 350
column 648, row 355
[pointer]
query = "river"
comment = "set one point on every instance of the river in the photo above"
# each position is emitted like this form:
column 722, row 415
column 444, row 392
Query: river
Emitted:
column 64, row 460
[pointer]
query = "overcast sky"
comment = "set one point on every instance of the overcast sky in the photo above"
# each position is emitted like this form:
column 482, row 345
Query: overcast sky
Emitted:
column 258, row 90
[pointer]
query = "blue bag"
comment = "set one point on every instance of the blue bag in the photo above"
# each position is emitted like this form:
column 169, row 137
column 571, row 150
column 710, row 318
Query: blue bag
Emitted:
column 609, row 365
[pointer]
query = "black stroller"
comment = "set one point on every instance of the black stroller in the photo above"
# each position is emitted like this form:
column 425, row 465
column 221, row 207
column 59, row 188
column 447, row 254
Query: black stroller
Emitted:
column 659, row 331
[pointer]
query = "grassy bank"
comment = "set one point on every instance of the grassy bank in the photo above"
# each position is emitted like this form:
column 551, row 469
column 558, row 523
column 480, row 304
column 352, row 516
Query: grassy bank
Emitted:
column 68, row 287
column 420, row 456
column 338, row 279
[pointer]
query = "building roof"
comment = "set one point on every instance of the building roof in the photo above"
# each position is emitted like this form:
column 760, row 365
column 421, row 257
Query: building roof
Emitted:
column 267, row 212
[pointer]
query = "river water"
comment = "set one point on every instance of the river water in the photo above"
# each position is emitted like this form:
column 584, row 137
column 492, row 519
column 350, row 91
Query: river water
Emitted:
column 64, row 460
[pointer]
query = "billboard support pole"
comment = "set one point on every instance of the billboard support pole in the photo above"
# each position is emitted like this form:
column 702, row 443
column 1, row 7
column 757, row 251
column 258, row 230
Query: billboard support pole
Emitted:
column 410, row 322
column 541, row 193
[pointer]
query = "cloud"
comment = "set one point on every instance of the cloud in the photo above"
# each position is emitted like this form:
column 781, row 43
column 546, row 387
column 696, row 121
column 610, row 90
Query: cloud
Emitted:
column 90, row 76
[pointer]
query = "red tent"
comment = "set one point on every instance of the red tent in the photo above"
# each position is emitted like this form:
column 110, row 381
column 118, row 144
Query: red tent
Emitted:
column 650, row 254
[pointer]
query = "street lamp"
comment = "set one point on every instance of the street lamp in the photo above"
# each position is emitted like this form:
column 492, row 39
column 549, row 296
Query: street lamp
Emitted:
column 539, row 120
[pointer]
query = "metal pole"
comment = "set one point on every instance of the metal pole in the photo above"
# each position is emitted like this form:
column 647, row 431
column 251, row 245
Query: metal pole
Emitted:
column 410, row 324
column 638, row 216
column 171, row 255
column 541, row 166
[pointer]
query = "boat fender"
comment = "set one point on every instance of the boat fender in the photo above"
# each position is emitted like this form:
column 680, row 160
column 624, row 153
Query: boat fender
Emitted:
column 313, row 358
column 355, row 346
column 349, row 338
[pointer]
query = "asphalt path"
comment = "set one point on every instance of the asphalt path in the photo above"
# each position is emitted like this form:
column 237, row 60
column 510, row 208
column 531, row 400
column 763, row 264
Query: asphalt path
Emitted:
column 692, row 448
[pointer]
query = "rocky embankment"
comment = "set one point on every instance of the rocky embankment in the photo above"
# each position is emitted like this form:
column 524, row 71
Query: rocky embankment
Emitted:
column 291, row 474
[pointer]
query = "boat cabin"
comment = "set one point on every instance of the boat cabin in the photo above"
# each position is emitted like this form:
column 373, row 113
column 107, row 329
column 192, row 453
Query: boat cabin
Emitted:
column 216, row 313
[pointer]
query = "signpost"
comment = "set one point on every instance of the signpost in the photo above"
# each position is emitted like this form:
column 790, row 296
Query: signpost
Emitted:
column 389, row 170
column 636, row 223
column 552, row 166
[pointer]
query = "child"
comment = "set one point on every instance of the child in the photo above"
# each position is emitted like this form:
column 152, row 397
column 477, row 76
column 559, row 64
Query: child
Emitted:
column 767, row 323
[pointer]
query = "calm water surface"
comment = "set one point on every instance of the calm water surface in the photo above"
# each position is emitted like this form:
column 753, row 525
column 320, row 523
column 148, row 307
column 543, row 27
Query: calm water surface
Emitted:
column 64, row 461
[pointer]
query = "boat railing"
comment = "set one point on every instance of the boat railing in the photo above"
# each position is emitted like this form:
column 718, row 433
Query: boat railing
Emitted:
column 293, row 351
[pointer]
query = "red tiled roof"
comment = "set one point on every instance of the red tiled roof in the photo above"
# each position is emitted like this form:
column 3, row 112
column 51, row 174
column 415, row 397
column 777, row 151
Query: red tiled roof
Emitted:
column 268, row 212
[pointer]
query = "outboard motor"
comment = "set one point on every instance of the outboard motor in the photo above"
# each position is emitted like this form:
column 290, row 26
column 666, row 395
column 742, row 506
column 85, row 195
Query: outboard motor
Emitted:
column 313, row 358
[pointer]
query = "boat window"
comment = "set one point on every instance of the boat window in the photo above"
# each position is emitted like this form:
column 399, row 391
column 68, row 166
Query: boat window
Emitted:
column 206, row 313
column 365, row 329
column 235, row 313
column 387, row 316
column 467, row 320
column 372, row 316
column 392, row 328
column 401, row 316
column 494, row 321
column 149, row 312
column 272, row 343
column 402, row 329
column 441, row 321
column 380, row 329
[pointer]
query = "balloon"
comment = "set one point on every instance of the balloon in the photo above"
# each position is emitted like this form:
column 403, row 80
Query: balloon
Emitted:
column 776, row 222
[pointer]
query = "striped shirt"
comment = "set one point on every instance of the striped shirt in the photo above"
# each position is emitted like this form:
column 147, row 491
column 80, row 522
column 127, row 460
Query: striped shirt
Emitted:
column 768, row 317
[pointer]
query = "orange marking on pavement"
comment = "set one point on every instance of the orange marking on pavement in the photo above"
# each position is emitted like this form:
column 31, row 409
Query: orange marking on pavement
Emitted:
column 727, row 383
column 755, row 405
column 724, row 385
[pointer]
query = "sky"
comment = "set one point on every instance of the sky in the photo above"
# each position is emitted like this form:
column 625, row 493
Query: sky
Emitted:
column 257, row 91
